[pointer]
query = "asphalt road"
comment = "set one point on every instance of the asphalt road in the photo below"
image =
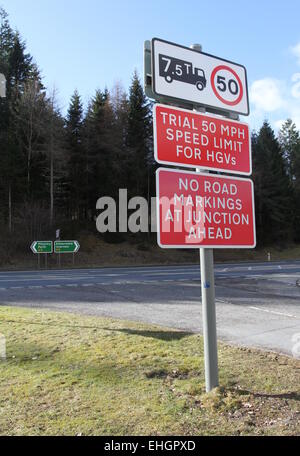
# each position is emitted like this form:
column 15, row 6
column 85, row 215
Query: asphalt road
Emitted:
column 258, row 304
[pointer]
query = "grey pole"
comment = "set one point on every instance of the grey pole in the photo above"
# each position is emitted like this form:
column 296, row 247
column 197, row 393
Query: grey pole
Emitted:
column 209, row 319
column 2, row 86
column 208, row 306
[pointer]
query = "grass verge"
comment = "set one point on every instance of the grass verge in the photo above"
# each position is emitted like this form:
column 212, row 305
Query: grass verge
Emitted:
column 74, row 375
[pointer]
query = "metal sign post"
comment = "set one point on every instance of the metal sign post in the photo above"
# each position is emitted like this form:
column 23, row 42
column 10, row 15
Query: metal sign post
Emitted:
column 66, row 247
column 209, row 322
column 42, row 248
column 209, row 319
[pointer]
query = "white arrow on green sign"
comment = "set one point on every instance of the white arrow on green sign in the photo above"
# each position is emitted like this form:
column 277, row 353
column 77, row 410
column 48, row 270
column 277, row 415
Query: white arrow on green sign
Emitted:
column 66, row 246
column 42, row 247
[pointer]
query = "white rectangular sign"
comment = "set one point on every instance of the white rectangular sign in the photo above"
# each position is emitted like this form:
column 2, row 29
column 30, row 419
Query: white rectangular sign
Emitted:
column 182, row 73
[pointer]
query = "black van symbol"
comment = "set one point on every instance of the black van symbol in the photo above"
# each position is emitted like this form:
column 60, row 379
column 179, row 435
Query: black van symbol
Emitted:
column 180, row 70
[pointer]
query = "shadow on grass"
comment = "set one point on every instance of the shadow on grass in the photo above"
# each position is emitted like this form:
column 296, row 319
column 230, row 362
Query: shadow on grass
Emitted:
column 291, row 395
column 161, row 335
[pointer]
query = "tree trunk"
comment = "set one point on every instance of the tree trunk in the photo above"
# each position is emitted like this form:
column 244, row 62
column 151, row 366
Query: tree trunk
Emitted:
column 9, row 210
column 51, row 187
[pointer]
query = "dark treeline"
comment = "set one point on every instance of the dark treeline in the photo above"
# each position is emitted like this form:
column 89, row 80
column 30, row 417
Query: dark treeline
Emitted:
column 53, row 168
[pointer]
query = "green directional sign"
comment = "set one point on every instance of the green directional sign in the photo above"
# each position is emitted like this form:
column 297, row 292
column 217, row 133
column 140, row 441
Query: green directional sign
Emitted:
column 66, row 246
column 42, row 247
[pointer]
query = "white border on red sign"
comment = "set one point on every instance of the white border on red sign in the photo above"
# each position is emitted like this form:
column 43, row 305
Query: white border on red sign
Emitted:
column 208, row 168
column 199, row 246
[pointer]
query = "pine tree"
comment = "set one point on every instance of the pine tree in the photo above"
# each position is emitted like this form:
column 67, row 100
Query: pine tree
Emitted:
column 30, row 125
column 93, row 145
column 289, row 139
column 6, row 42
column 272, row 189
column 139, row 139
column 74, row 138
column 18, row 69
column 21, row 69
column 55, row 152
column 119, row 133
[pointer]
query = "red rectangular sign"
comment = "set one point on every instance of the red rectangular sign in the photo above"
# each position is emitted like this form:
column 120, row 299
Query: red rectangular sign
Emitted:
column 191, row 139
column 204, row 210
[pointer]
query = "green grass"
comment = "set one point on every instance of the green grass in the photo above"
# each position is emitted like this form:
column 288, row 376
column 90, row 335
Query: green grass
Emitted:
column 71, row 375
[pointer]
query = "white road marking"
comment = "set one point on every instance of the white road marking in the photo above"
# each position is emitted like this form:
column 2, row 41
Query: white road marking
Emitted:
column 163, row 273
column 49, row 278
column 273, row 312
column 221, row 301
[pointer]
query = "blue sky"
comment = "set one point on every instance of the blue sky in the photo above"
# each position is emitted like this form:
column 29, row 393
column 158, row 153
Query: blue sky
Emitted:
column 94, row 43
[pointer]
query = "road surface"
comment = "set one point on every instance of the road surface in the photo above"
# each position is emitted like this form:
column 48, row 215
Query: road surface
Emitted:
column 258, row 304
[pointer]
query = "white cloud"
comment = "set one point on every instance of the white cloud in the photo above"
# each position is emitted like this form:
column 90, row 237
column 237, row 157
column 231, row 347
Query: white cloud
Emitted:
column 295, row 91
column 266, row 95
column 296, row 51
column 294, row 114
column 278, row 124
column 275, row 100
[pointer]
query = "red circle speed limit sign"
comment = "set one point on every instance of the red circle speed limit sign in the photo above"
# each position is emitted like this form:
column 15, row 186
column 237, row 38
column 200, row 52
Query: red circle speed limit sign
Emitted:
column 226, row 85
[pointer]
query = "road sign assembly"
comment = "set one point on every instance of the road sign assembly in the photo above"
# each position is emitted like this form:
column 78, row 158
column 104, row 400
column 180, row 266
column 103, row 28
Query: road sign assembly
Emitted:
column 198, row 209
column 42, row 247
column 186, row 138
column 66, row 246
column 186, row 74
column 204, row 210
